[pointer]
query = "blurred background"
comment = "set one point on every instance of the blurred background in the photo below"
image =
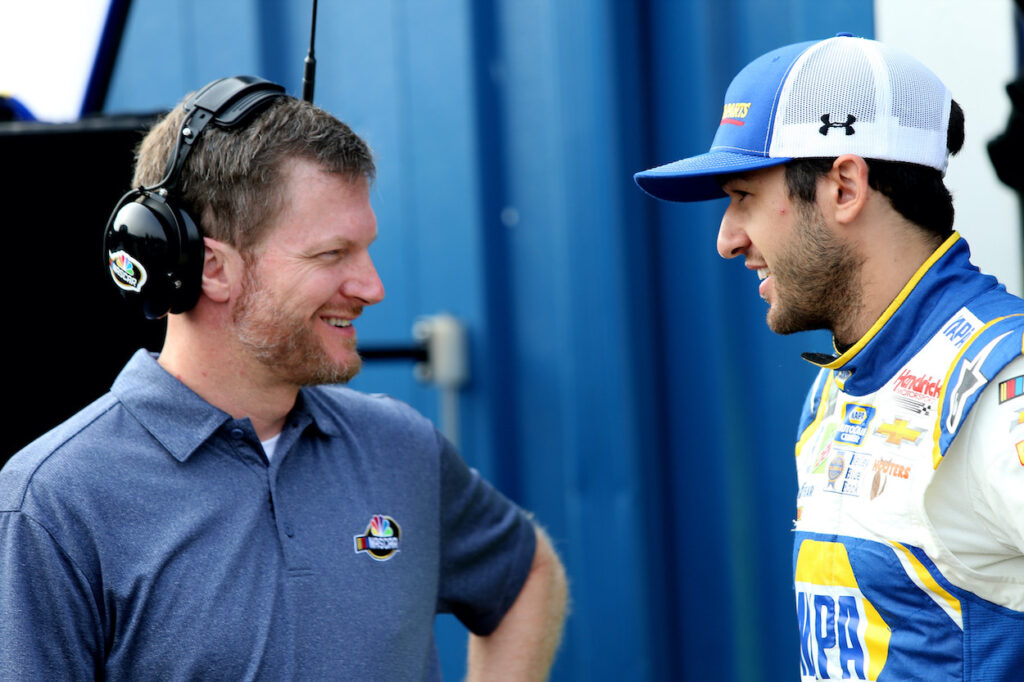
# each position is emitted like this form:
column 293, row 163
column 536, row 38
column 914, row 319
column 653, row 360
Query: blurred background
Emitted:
column 620, row 382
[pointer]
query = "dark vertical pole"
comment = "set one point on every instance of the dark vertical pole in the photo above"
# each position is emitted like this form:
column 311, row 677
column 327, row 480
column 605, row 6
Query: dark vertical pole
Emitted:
column 106, row 55
column 309, row 70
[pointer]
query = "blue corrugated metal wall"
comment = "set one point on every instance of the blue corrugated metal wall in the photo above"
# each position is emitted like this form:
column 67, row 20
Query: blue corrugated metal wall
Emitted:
column 624, row 386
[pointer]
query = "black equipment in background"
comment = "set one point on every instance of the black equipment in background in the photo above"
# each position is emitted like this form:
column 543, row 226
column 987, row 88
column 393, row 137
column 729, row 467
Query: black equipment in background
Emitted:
column 67, row 334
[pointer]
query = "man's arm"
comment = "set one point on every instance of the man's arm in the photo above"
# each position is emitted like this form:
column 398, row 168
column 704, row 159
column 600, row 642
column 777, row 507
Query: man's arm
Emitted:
column 49, row 627
column 523, row 645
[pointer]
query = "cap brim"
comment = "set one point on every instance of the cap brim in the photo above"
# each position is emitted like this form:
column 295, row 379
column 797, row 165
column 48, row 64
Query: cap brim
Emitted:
column 695, row 178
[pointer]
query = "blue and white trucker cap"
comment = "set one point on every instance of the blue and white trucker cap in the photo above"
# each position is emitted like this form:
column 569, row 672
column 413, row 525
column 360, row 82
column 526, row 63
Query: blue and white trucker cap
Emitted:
column 843, row 95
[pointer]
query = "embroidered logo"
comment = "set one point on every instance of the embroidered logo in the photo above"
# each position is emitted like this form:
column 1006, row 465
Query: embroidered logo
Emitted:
column 127, row 272
column 1017, row 419
column 958, row 331
column 970, row 381
column 918, row 406
column 922, row 387
column 878, row 484
column 898, row 431
column 891, row 468
column 381, row 538
column 829, row 125
column 884, row 470
column 856, row 419
column 733, row 112
column 835, row 469
column 848, row 476
column 1011, row 388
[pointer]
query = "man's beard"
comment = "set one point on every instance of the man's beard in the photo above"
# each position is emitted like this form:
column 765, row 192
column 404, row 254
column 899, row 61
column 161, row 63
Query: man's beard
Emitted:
column 286, row 345
column 816, row 284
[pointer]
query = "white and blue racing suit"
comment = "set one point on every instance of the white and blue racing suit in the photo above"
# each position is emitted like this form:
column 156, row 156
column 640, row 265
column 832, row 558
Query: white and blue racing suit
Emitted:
column 909, row 539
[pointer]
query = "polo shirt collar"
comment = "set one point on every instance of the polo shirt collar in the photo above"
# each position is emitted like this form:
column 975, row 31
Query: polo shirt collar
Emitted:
column 310, row 408
column 162, row 404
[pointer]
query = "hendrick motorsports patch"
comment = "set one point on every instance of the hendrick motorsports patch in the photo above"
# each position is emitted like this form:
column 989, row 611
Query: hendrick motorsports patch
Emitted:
column 381, row 538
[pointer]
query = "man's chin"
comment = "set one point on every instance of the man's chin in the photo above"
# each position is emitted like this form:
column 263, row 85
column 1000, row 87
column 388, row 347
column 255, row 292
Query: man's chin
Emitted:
column 785, row 325
column 342, row 371
column 338, row 365
column 350, row 369
column 781, row 323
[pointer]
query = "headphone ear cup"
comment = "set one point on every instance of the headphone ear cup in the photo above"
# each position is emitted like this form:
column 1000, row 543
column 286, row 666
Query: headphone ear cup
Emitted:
column 150, row 249
column 187, row 278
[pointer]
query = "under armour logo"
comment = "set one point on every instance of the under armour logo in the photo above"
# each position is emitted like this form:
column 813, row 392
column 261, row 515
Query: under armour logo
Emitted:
column 850, row 118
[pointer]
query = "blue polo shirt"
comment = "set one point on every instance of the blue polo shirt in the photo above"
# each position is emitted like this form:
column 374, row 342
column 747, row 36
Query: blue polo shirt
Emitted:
column 148, row 537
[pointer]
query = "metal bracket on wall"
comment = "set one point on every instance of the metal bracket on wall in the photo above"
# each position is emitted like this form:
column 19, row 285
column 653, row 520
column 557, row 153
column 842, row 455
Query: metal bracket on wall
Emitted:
column 442, row 358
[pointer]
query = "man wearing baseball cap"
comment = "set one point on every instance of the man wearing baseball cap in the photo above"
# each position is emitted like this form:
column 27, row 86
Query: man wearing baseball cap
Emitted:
column 909, row 538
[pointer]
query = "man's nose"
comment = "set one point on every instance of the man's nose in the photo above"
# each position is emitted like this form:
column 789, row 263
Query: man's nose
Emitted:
column 732, row 238
column 365, row 283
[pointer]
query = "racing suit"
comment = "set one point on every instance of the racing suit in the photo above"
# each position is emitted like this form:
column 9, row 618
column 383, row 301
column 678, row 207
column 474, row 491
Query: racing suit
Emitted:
column 908, row 559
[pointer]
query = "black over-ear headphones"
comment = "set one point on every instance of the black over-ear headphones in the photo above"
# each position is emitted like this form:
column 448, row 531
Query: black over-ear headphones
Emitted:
column 152, row 247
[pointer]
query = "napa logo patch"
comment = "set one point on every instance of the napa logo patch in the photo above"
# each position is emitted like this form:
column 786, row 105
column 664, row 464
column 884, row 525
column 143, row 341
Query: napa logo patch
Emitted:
column 856, row 419
column 381, row 538
column 959, row 330
column 127, row 272
column 842, row 634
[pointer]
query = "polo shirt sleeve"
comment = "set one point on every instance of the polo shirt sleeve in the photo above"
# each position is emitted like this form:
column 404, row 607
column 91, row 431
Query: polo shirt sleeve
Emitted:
column 487, row 546
column 48, row 622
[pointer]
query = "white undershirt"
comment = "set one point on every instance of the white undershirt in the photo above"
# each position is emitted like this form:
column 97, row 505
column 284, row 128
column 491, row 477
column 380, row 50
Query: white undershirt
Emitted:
column 270, row 445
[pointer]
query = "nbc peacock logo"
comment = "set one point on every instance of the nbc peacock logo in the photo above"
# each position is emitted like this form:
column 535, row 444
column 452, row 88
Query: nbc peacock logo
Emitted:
column 127, row 272
column 381, row 538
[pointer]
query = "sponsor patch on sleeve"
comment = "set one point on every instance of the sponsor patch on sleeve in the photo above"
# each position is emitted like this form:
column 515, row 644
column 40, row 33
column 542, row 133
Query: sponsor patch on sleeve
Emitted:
column 1011, row 388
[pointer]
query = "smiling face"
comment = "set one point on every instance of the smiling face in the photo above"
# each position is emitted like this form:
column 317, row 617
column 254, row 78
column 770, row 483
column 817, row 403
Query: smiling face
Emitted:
column 309, row 279
column 808, row 275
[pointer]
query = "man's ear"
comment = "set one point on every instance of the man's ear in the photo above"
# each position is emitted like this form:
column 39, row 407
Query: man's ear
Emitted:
column 848, row 188
column 222, row 269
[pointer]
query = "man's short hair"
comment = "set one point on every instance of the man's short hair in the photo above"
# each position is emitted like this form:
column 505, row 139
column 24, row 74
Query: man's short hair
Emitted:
column 232, row 181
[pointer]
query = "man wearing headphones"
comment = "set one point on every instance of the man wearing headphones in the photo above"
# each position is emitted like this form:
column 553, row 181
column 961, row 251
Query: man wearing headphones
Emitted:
column 909, row 545
column 227, row 511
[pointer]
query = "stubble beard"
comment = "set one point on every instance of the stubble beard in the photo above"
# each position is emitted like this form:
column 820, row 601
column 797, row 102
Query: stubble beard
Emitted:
column 816, row 280
column 285, row 344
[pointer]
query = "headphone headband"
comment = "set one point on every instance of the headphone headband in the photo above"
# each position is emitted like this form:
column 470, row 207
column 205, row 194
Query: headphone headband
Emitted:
column 227, row 103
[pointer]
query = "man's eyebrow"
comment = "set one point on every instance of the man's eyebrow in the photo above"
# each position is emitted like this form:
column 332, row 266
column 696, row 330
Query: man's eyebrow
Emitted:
column 330, row 244
column 729, row 177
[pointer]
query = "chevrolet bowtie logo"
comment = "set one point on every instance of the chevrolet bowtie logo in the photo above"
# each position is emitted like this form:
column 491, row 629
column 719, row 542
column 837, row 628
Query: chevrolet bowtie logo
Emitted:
column 898, row 431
